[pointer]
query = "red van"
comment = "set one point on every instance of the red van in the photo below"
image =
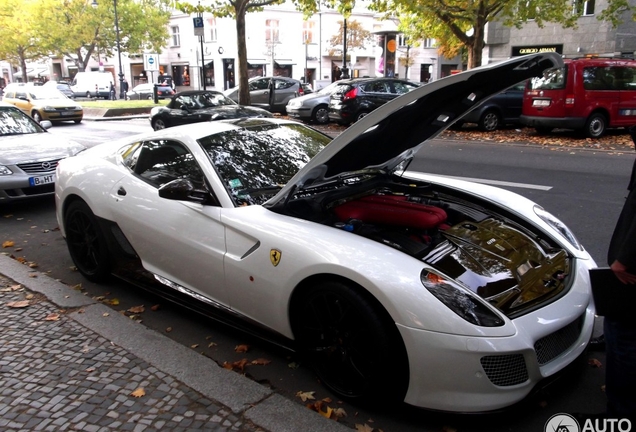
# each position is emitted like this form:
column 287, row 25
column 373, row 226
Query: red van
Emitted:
column 587, row 94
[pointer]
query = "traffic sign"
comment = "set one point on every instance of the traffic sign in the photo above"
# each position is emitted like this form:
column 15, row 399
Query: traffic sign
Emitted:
column 151, row 62
column 198, row 26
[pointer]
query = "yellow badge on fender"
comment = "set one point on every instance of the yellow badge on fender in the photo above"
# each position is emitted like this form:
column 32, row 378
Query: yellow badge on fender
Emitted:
column 274, row 256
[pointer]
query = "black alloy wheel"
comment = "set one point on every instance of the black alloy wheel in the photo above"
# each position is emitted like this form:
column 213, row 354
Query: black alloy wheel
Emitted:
column 361, row 115
column 489, row 121
column 320, row 114
column 158, row 124
column 352, row 345
column 86, row 242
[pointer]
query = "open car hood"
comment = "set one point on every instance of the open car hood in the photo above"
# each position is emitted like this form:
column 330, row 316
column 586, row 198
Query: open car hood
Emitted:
column 394, row 132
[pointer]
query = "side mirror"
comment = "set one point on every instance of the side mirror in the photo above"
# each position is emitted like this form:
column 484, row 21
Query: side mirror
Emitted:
column 184, row 190
column 46, row 124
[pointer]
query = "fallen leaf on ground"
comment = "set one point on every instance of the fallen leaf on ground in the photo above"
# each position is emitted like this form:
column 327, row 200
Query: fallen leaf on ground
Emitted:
column 90, row 369
column 139, row 393
column 33, row 265
column 33, row 275
column 339, row 412
column 52, row 317
column 238, row 365
column 305, row 396
column 155, row 308
column 137, row 309
column 113, row 302
column 28, row 296
column 194, row 346
column 241, row 348
column 168, row 329
column 212, row 344
column 261, row 361
column 364, row 428
column 595, row 363
column 18, row 304
column 8, row 244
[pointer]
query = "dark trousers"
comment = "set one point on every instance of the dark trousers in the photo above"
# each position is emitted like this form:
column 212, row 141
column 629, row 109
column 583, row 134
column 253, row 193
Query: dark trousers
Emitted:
column 620, row 372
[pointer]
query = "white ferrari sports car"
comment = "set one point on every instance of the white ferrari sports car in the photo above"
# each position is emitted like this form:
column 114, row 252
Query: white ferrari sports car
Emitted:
column 441, row 293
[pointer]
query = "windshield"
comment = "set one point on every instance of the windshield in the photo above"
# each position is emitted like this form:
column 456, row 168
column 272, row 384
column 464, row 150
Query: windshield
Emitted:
column 255, row 162
column 14, row 122
column 552, row 79
column 207, row 100
column 47, row 93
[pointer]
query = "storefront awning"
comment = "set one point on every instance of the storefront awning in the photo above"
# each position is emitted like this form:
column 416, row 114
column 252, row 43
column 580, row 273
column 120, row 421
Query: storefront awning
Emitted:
column 281, row 63
column 256, row 62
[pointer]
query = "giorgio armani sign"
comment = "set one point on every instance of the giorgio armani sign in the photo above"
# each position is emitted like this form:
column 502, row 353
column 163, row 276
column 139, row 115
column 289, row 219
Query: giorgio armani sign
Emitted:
column 533, row 49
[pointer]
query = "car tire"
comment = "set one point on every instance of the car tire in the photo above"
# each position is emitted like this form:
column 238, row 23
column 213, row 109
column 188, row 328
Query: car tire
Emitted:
column 361, row 115
column 36, row 116
column 150, row 97
column 350, row 341
column 88, row 95
column 320, row 114
column 158, row 124
column 86, row 242
column 489, row 121
column 78, row 121
column 595, row 125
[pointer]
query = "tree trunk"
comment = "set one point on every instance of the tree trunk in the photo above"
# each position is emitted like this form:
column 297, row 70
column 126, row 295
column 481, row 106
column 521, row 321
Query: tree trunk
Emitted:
column 23, row 66
column 244, row 91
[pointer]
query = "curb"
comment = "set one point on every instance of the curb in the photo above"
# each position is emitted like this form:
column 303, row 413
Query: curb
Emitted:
column 259, row 404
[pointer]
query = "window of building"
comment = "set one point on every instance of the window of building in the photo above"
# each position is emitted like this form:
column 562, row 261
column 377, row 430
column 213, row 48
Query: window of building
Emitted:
column 402, row 40
column 308, row 31
column 429, row 43
column 271, row 30
column 582, row 7
column 176, row 39
column 213, row 29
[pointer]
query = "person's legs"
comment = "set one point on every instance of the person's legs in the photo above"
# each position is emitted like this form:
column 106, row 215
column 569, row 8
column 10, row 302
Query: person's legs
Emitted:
column 620, row 373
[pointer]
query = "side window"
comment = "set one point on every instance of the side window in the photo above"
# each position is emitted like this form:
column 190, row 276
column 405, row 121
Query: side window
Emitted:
column 401, row 88
column 280, row 84
column 259, row 84
column 161, row 161
column 598, row 78
column 20, row 94
column 625, row 78
column 377, row 87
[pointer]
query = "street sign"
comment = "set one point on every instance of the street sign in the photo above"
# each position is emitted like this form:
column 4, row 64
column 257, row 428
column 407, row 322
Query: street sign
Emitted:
column 151, row 62
column 198, row 26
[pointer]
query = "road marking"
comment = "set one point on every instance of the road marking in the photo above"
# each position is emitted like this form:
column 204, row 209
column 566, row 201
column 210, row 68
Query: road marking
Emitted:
column 503, row 183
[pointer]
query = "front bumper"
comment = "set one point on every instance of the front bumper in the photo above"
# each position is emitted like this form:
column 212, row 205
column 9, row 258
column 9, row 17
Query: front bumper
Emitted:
column 477, row 374
column 16, row 187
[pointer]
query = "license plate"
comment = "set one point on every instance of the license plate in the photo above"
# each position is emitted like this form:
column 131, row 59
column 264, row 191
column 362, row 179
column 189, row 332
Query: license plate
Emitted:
column 67, row 113
column 541, row 102
column 41, row 180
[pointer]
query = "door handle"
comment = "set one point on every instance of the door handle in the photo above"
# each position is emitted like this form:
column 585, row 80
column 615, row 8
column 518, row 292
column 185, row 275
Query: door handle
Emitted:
column 121, row 191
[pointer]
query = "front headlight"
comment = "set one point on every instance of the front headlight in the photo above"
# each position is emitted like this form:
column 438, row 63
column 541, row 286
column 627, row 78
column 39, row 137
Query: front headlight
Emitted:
column 460, row 301
column 5, row 171
column 558, row 226
column 49, row 109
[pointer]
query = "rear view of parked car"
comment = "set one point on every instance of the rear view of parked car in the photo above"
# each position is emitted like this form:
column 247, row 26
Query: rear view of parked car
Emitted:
column 586, row 94
column 146, row 91
column 498, row 111
column 354, row 99
column 271, row 93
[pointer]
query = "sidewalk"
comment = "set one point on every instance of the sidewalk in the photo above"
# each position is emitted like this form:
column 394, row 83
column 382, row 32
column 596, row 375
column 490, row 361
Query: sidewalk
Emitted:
column 70, row 363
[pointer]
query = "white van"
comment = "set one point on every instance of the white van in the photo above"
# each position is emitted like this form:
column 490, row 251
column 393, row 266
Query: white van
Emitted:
column 92, row 84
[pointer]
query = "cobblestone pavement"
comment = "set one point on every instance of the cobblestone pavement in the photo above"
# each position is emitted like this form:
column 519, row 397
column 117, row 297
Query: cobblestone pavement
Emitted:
column 57, row 375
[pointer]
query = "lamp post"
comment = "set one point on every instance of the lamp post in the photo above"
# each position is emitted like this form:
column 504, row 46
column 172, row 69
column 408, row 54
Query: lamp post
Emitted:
column 121, row 73
column 345, row 70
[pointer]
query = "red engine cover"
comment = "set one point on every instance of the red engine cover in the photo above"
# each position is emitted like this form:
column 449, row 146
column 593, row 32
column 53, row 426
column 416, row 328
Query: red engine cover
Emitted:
column 391, row 210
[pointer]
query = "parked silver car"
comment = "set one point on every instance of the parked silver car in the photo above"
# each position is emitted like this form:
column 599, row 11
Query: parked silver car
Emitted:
column 284, row 89
column 312, row 107
column 29, row 155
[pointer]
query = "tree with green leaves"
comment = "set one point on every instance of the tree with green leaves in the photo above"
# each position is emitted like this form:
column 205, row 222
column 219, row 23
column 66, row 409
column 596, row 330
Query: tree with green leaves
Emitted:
column 86, row 28
column 21, row 39
column 236, row 9
column 460, row 24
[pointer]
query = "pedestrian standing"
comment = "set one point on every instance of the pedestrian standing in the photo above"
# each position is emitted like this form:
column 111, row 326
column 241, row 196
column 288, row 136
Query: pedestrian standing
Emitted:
column 112, row 91
column 620, row 332
column 125, row 88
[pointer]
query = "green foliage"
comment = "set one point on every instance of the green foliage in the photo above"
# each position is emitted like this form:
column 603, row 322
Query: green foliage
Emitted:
column 81, row 30
column 357, row 36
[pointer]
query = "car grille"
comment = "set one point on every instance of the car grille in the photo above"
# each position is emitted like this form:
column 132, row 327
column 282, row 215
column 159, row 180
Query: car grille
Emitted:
column 505, row 370
column 39, row 167
column 552, row 345
column 31, row 191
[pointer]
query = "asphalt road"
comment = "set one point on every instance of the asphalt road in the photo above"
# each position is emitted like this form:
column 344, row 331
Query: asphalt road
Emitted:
column 583, row 188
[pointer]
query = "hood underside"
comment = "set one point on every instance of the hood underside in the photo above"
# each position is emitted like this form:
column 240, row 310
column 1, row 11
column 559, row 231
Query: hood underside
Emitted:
column 393, row 133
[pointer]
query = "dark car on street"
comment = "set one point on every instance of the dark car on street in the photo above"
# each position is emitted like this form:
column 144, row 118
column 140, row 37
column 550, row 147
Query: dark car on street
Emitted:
column 146, row 91
column 355, row 98
column 498, row 111
column 200, row 106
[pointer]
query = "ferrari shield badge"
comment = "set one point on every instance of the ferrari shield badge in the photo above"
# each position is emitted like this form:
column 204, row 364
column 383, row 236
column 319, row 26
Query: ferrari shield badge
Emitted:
column 274, row 256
